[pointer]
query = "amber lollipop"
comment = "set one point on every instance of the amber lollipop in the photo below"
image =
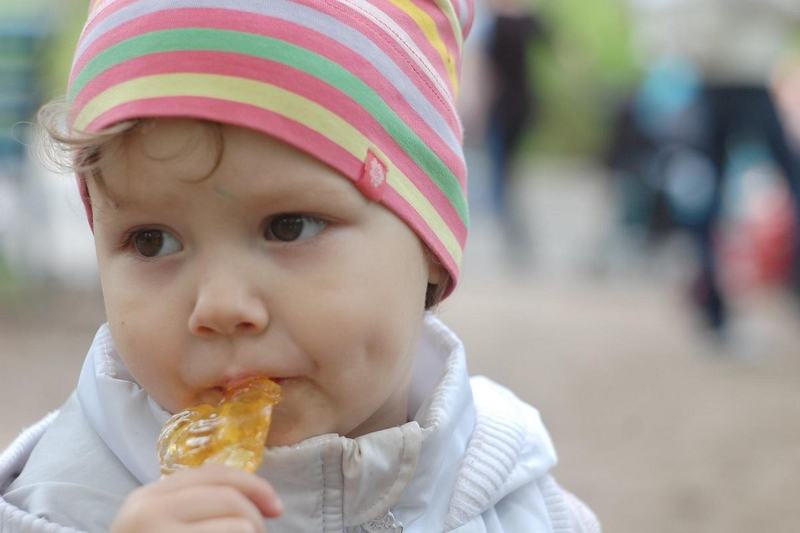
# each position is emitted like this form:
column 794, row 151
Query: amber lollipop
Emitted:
column 232, row 433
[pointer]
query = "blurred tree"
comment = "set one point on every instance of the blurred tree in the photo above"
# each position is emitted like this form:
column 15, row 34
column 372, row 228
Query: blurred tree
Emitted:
column 587, row 64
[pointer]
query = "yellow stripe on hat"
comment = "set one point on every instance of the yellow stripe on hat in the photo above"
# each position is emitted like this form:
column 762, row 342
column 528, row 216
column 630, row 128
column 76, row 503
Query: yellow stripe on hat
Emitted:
column 446, row 7
column 428, row 27
column 259, row 94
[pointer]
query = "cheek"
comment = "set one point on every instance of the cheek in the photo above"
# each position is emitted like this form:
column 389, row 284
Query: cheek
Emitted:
column 370, row 307
column 137, row 321
column 141, row 301
column 360, row 309
column 360, row 337
column 146, row 346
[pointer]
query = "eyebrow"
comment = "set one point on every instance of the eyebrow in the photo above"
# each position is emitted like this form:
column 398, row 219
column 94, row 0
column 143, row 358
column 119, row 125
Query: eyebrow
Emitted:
column 289, row 190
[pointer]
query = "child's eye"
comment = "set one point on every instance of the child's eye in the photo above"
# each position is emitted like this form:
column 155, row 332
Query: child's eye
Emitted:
column 155, row 243
column 292, row 227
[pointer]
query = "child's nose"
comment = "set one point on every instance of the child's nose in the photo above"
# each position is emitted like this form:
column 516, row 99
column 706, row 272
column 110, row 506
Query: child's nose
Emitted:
column 227, row 308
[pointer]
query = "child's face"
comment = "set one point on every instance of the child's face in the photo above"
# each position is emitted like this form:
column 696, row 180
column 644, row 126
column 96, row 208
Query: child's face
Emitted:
column 272, row 265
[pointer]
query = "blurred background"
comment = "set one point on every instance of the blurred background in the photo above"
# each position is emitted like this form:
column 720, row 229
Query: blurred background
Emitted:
column 632, row 267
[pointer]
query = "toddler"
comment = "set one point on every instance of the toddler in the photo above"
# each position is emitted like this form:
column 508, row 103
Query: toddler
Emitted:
column 277, row 188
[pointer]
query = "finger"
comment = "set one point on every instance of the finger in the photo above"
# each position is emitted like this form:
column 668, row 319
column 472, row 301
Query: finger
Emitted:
column 256, row 489
column 209, row 502
column 226, row 525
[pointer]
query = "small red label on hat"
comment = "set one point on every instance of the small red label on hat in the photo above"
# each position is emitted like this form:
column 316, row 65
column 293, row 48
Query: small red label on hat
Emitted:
column 372, row 182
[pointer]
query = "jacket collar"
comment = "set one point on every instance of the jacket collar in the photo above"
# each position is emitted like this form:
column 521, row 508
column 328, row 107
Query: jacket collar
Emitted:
column 328, row 482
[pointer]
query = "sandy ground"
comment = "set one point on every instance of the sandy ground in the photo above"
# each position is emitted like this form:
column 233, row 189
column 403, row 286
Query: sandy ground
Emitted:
column 657, row 429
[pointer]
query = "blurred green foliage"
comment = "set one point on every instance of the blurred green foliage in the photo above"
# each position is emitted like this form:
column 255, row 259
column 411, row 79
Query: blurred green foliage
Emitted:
column 59, row 56
column 63, row 20
column 8, row 278
column 580, row 73
column 17, row 8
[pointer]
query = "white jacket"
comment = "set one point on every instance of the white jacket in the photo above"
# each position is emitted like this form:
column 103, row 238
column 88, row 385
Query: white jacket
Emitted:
column 473, row 458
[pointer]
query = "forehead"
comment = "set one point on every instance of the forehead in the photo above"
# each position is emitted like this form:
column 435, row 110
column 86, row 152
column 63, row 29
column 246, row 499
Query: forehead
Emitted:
column 168, row 156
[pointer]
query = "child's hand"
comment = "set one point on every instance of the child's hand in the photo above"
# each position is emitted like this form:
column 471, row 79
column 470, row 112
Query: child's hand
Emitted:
column 209, row 499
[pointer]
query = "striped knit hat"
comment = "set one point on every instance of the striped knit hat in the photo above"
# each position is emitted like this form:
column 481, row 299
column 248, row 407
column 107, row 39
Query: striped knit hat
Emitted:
column 366, row 86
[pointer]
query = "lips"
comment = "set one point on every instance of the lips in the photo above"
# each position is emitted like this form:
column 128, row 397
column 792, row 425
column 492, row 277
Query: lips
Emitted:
column 236, row 381
column 239, row 379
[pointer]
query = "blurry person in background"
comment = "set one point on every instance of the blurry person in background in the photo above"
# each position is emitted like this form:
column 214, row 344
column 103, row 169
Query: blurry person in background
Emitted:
column 515, row 28
column 655, row 130
column 733, row 45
